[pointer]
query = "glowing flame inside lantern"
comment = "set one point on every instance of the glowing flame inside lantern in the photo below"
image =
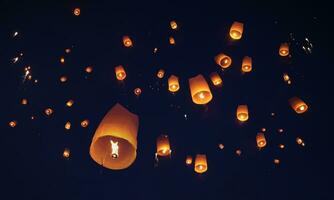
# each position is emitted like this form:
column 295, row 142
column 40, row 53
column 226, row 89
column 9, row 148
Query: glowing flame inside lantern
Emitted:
column 114, row 149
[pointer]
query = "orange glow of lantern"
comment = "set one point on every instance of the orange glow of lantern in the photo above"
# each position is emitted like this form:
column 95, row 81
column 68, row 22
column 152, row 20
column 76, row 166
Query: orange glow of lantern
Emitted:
column 114, row 144
column 69, row 103
column 89, row 69
column 12, row 124
column 281, row 146
column 161, row 73
column 276, row 161
column 300, row 141
column 76, row 11
column 173, row 25
column 171, row 40
column 261, row 140
column 173, row 83
column 189, row 160
column 298, row 105
column 68, row 125
column 84, row 123
column 137, row 91
column 163, row 146
column 246, row 64
column 120, row 72
column 215, row 79
column 62, row 60
column 48, row 111
column 236, row 30
column 284, row 49
column 68, row 50
column 201, row 165
column 66, row 153
column 263, row 129
column 63, row 79
column 223, row 60
column 24, row 101
column 199, row 89
column 242, row 113
column 238, row 152
column 221, row 146
column 127, row 42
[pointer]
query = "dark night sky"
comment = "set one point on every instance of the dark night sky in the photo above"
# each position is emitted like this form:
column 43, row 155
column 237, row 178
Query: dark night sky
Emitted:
column 32, row 165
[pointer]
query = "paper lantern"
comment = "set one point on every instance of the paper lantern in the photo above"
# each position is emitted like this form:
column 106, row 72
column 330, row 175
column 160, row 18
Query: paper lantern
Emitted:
column 161, row 73
column 24, row 101
column 89, row 69
column 201, row 165
column 242, row 113
column 114, row 144
column 199, row 89
column 76, row 11
column 163, row 147
column 68, row 50
column 120, row 72
column 69, row 103
column 171, row 40
column 127, row 42
column 223, row 60
column 221, row 146
column 62, row 60
column 284, row 49
column 137, row 91
column 12, row 123
column 261, row 140
column 246, row 64
column 68, row 125
column 286, row 77
column 280, row 130
column 84, row 123
column 173, row 83
column 215, row 79
column 66, row 153
column 281, row 146
column 300, row 141
column 276, row 161
column 189, row 160
column 298, row 105
column 236, row 30
column 263, row 129
column 48, row 111
column 238, row 152
column 173, row 25
column 63, row 79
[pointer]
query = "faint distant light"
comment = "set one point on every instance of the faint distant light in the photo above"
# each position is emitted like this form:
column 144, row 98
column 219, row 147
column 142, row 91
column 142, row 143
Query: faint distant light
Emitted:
column 62, row 60
column 155, row 50
column 15, row 34
column 276, row 161
column 263, row 129
column 12, row 124
column 186, row 116
column 281, row 146
column 238, row 152
column 76, row 11
column 85, row 123
column 221, row 146
column 48, row 111
column 68, row 125
column 66, row 153
column 280, row 130
column 68, row 50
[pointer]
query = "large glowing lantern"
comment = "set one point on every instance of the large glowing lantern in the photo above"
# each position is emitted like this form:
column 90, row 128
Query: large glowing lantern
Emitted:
column 284, row 49
column 120, row 72
column 236, row 30
column 215, row 79
column 246, row 64
column 173, row 83
column 173, row 25
column 242, row 113
column 201, row 165
column 223, row 60
column 163, row 146
column 114, row 144
column 199, row 89
column 161, row 73
column 261, row 140
column 298, row 105
column 127, row 42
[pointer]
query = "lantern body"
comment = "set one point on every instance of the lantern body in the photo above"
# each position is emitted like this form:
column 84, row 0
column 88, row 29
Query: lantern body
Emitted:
column 298, row 105
column 89, row 69
column 246, row 64
column 84, row 123
column 173, row 25
column 137, row 91
column 120, row 73
column 173, row 83
column 62, row 60
column 201, row 165
column 161, row 73
column 189, row 160
column 171, row 40
column 236, row 30
column 69, row 103
column 76, row 11
column 284, row 49
column 261, row 140
column 12, row 124
column 119, row 126
column 24, row 101
column 223, row 60
column 63, row 79
column 199, row 89
column 215, row 79
column 242, row 113
column 48, row 111
column 127, row 42
column 68, row 125
column 66, row 153
column 163, row 147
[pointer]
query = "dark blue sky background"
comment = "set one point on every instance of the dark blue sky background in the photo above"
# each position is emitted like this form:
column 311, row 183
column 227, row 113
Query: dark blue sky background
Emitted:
column 32, row 165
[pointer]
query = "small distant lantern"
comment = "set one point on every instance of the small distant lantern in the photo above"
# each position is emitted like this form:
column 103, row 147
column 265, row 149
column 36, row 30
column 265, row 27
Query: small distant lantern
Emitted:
column 48, row 111
column 298, row 105
column 120, row 72
column 276, row 161
column 171, row 40
column 68, row 125
column 246, row 64
column 69, row 103
column 238, row 152
column 24, row 101
column 280, row 130
column 62, row 60
column 201, row 165
column 284, row 49
column 173, row 25
column 163, row 146
column 221, row 146
column 66, row 153
column 215, row 79
column 261, row 140
column 84, row 123
column 137, row 91
column 263, row 129
column 161, row 73
column 12, row 123
column 223, row 60
column 199, row 89
column 68, row 50
column 89, row 69
column 189, row 160
column 281, row 146
column 127, row 42
column 76, row 11
column 300, row 141
column 236, row 30
column 173, row 83
column 242, row 113
column 63, row 79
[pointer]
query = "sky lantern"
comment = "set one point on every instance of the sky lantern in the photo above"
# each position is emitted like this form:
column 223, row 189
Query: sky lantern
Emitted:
column 161, row 73
column 173, row 25
column 246, row 64
column 281, row 146
column 242, row 113
column 137, row 91
column 62, row 60
column 298, row 105
column 24, row 101
column 300, row 141
column 199, row 89
column 63, row 79
column 276, row 161
column 127, row 42
column 120, row 72
column 68, row 125
column 84, row 123
column 284, row 49
column 114, row 144
column 236, row 30
column 171, row 40
column 89, row 69
column 215, row 79
column 48, row 111
column 223, row 60
column 221, row 146
column 238, row 152
column 69, row 103
column 189, row 160
column 76, row 11
column 201, row 165
column 12, row 123
column 173, row 83
column 286, row 78
column 66, row 153
column 163, row 146
column 261, row 140
column 67, row 50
